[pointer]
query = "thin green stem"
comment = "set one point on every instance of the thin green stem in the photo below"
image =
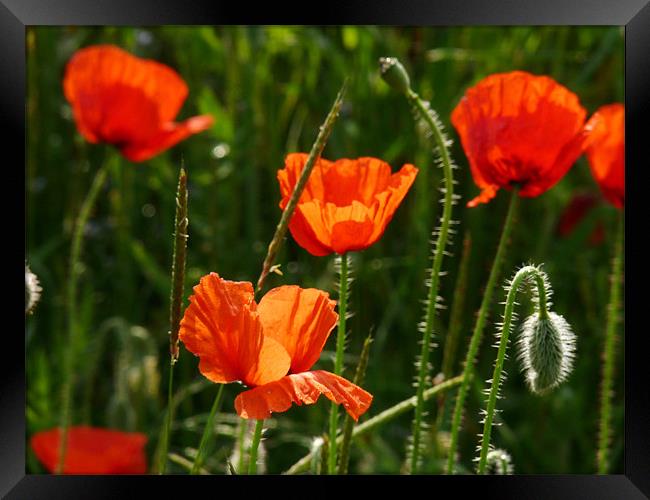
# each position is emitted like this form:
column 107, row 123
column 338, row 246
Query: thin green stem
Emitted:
column 342, row 262
column 609, row 353
column 519, row 278
column 164, row 435
column 378, row 420
column 348, row 425
column 475, row 342
column 73, row 275
column 241, row 445
column 257, row 436
column 314, row 154
column 423, row 379
column 207, row 431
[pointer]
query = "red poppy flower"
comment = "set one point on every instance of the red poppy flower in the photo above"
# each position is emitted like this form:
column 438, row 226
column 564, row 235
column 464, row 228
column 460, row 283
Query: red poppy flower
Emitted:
column 92, row 450
column 517, row 128
column 606, row 151
column 126, row 101
column 346, row 204
column 269, row 347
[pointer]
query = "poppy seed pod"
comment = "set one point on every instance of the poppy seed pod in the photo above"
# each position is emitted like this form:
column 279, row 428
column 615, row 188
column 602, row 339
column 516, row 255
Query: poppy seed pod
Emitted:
column 394, row 74
column 546, row 351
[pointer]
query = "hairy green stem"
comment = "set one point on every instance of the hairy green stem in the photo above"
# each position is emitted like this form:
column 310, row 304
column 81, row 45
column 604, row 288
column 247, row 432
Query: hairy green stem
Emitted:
column 456, row 316
column 257, row 436
column 71, row 302
column 181, row 224
column 475, row 342
column 207, row 431
column 457, row 312
column 342, row 262
column 423, row 379
column 348, row 425
column 609, row 353
column 314, row 154
column 519, row 278
column 378, row 420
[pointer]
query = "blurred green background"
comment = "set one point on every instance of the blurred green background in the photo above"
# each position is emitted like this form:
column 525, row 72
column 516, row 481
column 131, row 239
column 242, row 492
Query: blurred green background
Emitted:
column 269, row 89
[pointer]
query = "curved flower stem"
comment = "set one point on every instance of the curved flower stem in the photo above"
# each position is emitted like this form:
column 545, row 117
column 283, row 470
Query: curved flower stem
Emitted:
column 207, row 431
column 75, row 255
column 314, row 154
column 181, row 223
column 257, row 436
column 609, row 352
column 342, row 261
column 374, row 422
column 440, row 245
column 519, row 278
column 475, row 342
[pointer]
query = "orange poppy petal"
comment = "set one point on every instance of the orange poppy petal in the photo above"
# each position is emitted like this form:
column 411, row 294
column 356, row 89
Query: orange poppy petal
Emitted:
column 358, row 180
column 170, row 135
column 349, row 235
column 92, row 450
column 486, row 195
column 306, row 237
column 339, row 229
column 606, row 151
column 300, row 319
column 221, row 326
column 518, row 128
column 387, row 201
column 289, row 175
column 302, row 388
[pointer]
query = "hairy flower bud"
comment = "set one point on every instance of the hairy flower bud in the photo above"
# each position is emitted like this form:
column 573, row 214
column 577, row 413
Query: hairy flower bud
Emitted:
column 546, row 351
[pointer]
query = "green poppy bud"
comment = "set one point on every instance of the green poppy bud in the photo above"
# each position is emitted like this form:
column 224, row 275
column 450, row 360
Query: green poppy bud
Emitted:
column 394, row 74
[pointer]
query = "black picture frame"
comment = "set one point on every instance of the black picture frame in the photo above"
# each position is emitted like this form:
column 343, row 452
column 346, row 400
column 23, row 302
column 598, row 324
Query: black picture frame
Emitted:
column 16, row 15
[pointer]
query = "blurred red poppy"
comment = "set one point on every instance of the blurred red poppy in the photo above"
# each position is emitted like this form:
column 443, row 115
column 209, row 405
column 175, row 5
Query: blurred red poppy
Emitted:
column 575, row 213
column 126, row 101
column 346, row 204
column 269, row 347
column 92, row 450
column 606, row 151
column 518, row 128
